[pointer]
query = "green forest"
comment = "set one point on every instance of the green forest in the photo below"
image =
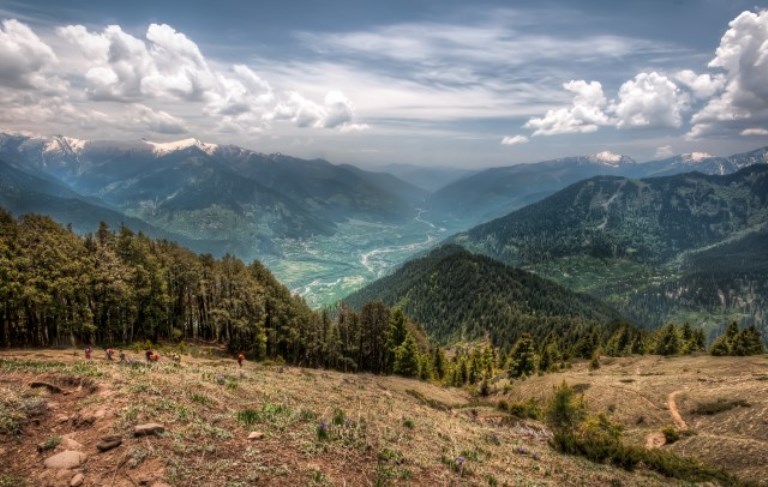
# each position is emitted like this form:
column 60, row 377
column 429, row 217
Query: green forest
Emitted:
column 117, row 288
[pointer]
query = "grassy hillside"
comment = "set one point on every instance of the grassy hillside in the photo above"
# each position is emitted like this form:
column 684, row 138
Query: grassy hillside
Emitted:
column 312, row 427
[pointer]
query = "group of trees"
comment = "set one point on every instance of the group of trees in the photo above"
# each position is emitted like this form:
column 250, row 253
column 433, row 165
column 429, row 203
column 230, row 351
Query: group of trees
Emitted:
column 114, row 288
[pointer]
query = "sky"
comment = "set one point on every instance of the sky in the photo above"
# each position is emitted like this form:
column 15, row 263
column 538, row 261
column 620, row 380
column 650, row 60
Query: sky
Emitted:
column 440, row 83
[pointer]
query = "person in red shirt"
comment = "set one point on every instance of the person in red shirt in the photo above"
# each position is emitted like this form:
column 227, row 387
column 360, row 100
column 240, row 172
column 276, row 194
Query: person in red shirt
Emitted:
column 88, row 351
column 240, row 358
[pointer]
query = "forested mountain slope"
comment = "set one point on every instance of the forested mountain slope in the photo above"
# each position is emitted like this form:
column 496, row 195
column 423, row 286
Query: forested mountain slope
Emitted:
column 457, row 295
column 637, row 243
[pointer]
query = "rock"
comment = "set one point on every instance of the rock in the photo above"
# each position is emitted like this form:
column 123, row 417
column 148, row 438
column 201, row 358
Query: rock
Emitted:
column 70, row 444
column 77, row 480
column 106, row 445
column 148, row 429
column 67, row 459
column 160, row 484
column 256, row 435
column 90, row 416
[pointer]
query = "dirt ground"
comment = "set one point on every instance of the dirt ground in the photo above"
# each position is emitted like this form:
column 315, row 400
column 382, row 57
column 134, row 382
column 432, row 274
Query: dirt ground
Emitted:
column 317, row 427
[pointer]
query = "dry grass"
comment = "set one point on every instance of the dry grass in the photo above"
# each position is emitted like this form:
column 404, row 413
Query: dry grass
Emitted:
column 327, row 428
column 635, row 391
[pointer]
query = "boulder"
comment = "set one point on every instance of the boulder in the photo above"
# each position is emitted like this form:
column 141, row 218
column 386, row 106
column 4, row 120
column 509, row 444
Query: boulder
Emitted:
column 67, row 459
column 77, row 480
column 70, row 444
column 109, row 442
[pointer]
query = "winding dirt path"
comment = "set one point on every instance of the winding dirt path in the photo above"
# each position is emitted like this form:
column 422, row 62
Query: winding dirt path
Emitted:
column 657, row 439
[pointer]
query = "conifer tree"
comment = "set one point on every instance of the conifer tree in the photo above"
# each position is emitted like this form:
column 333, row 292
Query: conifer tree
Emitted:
column 522, row 358
column 407, row 357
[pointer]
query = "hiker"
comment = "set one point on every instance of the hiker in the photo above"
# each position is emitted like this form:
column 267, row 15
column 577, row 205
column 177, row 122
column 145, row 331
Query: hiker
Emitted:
column 122, row 356
column 240, row 358
column 88, row 351
column 176, row 358
column 152, row 356
column 110, row 353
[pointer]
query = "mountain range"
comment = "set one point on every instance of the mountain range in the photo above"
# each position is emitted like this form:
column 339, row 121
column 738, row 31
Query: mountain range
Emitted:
column 657, row 249
column 497, row 191
column 200, row 191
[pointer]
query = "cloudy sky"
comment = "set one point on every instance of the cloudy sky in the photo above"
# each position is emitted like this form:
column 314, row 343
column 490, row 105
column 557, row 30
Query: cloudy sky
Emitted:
column 408, row 81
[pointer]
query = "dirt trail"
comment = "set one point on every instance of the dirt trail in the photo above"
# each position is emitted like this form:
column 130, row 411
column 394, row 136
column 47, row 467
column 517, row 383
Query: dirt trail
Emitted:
column 657, row 439
column 675, row 413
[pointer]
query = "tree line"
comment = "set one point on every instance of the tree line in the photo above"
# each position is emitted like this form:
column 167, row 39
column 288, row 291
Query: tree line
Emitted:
column 114, row 288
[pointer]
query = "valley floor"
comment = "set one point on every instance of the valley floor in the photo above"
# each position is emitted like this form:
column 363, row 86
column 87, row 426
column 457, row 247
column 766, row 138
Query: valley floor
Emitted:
column 315, row 427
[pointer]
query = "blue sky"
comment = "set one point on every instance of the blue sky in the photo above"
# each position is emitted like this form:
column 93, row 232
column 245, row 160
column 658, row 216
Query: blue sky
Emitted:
column 431, row 83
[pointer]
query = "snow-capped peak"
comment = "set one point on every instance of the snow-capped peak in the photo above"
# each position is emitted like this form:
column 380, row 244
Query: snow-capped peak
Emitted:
column 162, row 148
column 607, row 157
column 65, row 144
column 696, row 156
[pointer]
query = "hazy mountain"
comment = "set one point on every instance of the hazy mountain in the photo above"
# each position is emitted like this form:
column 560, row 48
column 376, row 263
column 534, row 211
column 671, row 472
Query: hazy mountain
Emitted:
column 498, row 191
column 431, row 178
column 627, row 240
column 22, row 193
column 457, row 295
column 210, row 192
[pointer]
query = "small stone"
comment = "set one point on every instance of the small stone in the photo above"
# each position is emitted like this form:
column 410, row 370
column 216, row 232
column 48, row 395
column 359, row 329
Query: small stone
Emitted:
column 160, row 484
column 68, row 459
column 77, row 480
column 148, row 429
column 108, row 445
column 256, row 435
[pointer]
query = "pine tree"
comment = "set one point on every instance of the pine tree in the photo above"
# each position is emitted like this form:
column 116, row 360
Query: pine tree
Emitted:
column 407, row 357
column 667, row 342
column 522, row 357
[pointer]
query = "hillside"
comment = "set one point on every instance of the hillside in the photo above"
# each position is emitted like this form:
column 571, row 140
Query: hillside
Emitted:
column 495, row 192
column 635, row 243
column 456, row 295
column 376, row 430
column 719, row 404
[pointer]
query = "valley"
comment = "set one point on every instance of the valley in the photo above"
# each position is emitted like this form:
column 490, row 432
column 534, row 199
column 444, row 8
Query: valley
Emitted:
column 324, row 269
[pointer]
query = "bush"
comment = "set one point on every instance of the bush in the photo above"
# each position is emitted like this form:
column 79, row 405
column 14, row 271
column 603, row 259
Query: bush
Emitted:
column 565, row 411
column 670, row 434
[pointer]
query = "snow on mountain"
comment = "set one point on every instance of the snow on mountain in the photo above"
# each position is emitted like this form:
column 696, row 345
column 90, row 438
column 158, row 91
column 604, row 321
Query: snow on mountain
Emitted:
column 64, row 144
column 695, row 157
column 609, row 158
column 163, row 148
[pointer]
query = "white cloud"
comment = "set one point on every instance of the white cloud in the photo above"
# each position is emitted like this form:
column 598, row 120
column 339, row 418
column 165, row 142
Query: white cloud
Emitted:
column 24, row 58
column 702, row 86
column 743, row 55
column 650, row 100
column 513, row 140
column 755, row 131
column 664, row 152
column 586, row 113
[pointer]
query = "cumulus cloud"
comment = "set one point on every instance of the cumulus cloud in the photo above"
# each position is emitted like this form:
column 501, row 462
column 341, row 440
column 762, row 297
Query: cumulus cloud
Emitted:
column 514, row 140
column 743, row 56
column 169, row 66
column 702, row 86
column 586, row 113
column 23, row 56
column 336, row 112
column 649, row 100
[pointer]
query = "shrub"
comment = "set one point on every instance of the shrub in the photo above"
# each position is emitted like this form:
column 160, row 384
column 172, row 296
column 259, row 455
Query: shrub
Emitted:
column 719, row 406
column 670, row 434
